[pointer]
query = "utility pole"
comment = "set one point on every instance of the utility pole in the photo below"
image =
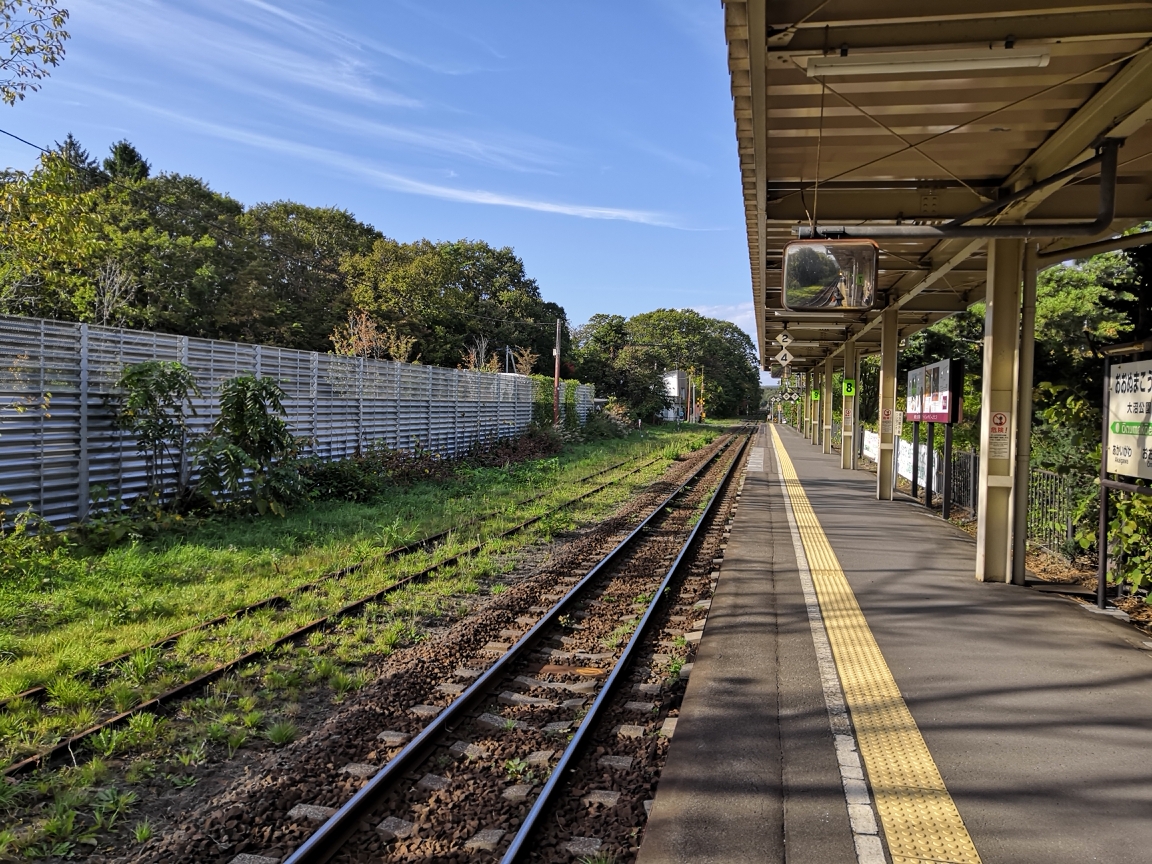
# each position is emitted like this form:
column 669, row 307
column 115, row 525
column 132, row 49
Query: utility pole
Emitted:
column 556, row 379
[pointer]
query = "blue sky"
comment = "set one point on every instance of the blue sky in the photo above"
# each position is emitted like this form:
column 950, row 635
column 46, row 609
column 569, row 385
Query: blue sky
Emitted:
column 594, row 137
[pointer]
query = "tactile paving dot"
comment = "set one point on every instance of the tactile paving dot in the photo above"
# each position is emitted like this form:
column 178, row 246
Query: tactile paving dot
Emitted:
column 920, row 819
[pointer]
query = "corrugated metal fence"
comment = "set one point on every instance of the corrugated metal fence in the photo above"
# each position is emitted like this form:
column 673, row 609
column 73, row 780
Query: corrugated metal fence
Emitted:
column 58, row 438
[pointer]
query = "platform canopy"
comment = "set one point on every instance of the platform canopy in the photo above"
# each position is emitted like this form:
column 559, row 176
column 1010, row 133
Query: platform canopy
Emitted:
column 904, row 112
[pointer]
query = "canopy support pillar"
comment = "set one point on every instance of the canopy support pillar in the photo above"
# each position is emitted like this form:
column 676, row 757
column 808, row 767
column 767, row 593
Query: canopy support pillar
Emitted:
column 848, row 410
column 826, row 411
column 889, row 336
column 997, row 410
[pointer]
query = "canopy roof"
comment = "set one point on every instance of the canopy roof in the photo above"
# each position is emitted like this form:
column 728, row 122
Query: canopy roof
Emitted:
column 928, row 145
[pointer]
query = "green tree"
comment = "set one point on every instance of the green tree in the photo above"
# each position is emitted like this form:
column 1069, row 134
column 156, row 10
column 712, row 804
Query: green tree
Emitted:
column 33, row 32
column 626, row 358
column 248, row 454
column 154, row 409
column 126, row 163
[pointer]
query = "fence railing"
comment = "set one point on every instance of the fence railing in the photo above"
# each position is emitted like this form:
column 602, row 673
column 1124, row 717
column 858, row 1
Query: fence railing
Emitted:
column 1051, row 497
column 59, row 440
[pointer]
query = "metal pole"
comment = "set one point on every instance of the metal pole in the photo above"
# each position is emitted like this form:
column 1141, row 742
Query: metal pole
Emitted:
column 916, row 458
column 929, row 471
column 1024, row 415
column 946, row 492
column 1102, row 528
column 556, row 379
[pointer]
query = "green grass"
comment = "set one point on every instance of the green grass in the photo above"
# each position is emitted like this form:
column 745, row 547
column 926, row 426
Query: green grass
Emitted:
column 59, row 629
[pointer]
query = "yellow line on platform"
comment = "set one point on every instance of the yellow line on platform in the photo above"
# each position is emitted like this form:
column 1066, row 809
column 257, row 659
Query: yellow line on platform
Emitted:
column 920, row 820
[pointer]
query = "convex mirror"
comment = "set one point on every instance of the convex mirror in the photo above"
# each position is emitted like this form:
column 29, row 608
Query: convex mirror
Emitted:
column 830, row 274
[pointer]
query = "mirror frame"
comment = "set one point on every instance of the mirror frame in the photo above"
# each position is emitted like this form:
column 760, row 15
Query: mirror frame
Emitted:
column 825, row 242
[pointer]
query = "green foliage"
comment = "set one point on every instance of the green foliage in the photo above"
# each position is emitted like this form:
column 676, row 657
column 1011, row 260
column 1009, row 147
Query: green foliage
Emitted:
column 142, row 831
column 154, row 409
column 626, row 359
column 282, row 732
column 34, row 35
column 249, row 454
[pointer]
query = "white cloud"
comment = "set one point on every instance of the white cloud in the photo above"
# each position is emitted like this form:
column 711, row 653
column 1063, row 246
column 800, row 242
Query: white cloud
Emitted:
column 743, row 315
column 386, row 179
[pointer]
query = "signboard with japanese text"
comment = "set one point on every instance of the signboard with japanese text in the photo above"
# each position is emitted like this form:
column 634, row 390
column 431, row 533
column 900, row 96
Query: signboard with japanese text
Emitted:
column 915, row 394
column 1000, row 435
column 930, row 396
column 1129, row 444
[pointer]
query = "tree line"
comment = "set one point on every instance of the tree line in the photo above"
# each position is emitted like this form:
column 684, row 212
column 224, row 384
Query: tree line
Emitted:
column 113, row 242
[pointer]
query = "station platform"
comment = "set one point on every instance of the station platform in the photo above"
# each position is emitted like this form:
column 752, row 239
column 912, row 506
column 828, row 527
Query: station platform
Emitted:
column 858, row 696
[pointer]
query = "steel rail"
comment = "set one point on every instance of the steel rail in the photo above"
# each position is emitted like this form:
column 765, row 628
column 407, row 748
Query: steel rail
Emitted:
column 330, row 837
column 67, row 746
column 518, row 847
column 278, row 601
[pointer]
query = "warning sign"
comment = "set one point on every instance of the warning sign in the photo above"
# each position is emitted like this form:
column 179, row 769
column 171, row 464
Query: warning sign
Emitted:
column 1000, row 435
column 885, row 421
column 847, row 415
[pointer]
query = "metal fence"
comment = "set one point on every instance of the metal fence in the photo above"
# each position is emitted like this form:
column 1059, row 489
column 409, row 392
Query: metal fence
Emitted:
column 1051, row 497
column 58, row 437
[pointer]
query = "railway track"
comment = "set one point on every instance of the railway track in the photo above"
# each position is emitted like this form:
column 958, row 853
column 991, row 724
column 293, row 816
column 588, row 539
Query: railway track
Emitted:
column 69, row 745
column 508, row 718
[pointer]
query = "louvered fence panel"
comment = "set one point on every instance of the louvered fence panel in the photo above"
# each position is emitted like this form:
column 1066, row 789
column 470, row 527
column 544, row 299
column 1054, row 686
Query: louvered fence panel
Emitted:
column 59, row 439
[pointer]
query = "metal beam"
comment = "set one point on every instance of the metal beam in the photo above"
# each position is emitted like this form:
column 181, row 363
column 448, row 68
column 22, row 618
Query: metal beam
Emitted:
column 757, row 70
column 929, row 280
column 1126, row 93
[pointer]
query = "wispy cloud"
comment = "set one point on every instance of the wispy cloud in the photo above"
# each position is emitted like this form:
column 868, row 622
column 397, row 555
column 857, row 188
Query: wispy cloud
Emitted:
column 388, row 179
column 743, row 315
column 215, row 51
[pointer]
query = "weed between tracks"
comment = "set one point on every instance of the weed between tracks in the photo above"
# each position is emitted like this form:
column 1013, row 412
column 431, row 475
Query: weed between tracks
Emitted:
column 56, row 813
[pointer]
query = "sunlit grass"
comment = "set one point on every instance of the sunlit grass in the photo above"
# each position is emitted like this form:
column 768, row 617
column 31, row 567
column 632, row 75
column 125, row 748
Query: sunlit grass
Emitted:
column 176, row 582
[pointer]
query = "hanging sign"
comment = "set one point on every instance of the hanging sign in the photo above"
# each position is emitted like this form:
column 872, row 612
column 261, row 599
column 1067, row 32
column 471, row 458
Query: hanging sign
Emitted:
column 785, row 339
column 1000, row 435
column 848, row 388
column 1129, row 443
column 784, row 357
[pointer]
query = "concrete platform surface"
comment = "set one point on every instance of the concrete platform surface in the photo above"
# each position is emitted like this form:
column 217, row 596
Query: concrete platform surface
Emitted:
column 1037, row 714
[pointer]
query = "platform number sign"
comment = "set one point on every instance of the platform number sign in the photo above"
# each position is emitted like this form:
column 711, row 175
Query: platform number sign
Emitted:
column 815, row 395
column 848, row 389
column 1129, row 443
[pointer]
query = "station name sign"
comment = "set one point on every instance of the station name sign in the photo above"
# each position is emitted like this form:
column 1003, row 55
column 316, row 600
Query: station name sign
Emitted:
column 1129, row 445
column 935, row 393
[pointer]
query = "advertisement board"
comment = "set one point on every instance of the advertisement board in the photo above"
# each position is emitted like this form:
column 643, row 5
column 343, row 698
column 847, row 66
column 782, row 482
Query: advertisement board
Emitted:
column 1129, row 444
column 915, row 400
column 930, row 396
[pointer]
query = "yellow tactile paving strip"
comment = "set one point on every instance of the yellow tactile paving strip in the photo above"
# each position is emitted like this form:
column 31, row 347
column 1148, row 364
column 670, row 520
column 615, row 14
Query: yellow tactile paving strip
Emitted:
column 920, row 820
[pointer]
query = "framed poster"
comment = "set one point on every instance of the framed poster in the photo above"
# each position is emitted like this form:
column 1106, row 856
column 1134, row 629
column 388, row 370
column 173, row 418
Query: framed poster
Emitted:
column 930, row 396
column 915, row 398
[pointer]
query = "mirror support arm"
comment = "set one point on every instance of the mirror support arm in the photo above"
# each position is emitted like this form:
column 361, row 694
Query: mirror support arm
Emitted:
column 1106, row 211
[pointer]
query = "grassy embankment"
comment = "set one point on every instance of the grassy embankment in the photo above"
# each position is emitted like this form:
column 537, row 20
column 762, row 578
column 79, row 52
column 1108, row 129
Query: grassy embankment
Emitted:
column 75, row 609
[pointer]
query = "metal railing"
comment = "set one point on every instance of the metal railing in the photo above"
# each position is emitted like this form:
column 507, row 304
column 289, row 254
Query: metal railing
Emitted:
column 1051, row 497
column 59, row 438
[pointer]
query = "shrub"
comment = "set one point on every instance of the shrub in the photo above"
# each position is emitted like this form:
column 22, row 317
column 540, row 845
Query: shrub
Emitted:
column 249, row 455
column 283, row 732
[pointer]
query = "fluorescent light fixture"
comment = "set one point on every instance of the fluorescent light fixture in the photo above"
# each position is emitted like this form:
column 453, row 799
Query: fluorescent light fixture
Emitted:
column 903, row 62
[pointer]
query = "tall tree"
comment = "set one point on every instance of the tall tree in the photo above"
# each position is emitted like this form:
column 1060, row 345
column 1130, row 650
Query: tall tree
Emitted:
column 125, row 163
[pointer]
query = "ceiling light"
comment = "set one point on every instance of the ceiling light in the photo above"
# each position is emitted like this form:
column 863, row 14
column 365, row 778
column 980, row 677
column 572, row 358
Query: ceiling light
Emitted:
column 902, row 62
